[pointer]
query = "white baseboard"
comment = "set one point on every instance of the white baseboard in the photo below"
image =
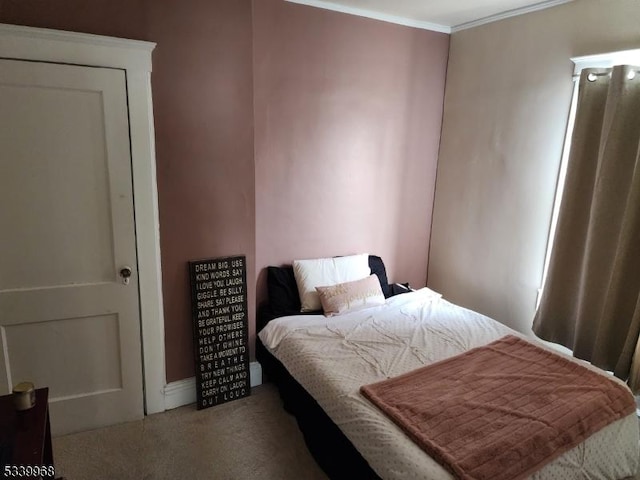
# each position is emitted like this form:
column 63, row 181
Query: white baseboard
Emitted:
column 183, row 392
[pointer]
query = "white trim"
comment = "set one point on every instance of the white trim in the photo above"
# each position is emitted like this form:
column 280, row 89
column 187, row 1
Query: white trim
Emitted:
column 508, row 14
column 70, row 47
column 255, row 372
column 147, row 238
column 183, row 392
column 77, row 38
column 361, row 12
column 134, row 57
column 606, row 60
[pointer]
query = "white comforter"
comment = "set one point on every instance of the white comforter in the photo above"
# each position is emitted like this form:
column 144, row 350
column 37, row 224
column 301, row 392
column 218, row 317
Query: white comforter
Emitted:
column 332, row 357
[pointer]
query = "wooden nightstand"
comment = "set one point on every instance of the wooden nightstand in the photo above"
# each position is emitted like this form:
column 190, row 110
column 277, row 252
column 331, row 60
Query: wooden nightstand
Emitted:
column 25, row 439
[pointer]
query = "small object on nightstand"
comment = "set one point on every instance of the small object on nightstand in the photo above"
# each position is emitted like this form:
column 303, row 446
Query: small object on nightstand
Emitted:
column 24, row 396
column 399, row 288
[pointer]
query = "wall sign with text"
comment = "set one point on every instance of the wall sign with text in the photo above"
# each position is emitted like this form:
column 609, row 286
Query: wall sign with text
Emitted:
column 220, row 329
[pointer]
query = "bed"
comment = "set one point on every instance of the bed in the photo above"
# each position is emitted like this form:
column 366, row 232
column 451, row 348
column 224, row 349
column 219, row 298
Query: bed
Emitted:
column 320, row 363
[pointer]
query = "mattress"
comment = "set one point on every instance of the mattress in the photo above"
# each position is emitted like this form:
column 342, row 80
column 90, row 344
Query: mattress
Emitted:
column 333, row 357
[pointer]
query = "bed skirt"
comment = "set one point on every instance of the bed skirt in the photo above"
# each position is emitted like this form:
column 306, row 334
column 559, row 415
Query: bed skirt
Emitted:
column 333, row 452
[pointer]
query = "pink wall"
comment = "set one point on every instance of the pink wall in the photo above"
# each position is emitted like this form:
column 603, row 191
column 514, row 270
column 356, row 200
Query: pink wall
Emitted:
column 203, row 94
column 347, row 115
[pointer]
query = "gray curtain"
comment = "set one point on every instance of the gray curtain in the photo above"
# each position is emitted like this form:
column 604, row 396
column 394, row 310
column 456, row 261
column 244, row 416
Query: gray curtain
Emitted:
column 591, row 298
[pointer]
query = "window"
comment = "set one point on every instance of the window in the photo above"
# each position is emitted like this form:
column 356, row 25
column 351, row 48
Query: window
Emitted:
column 590, row 297
column 605, row 60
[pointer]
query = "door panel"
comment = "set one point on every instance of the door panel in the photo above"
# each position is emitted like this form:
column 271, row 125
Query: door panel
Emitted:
column 49, row 186
column 67, row 320
column 93, row 338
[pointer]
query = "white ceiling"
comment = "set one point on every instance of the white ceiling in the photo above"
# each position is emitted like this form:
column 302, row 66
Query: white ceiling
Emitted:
column 439, row 15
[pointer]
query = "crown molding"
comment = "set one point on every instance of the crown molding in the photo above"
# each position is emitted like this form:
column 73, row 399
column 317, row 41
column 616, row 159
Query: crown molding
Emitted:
column 508, row 14
column 360, row 12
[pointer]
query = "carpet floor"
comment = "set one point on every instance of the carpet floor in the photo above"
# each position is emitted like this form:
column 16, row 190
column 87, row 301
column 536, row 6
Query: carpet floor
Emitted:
column 250, row 438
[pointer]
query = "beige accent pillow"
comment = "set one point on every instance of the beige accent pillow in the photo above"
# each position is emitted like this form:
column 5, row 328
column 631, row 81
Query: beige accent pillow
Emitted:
column 350, row 296
column 319, row 272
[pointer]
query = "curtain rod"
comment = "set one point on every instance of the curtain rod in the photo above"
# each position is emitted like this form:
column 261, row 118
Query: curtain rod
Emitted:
column 576, row 76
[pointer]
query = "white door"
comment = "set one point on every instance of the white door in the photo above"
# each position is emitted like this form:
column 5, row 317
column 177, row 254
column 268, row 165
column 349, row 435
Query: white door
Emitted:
column 68, row 321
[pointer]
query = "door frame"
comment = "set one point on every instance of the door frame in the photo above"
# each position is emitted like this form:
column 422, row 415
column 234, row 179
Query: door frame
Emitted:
column 134, row 57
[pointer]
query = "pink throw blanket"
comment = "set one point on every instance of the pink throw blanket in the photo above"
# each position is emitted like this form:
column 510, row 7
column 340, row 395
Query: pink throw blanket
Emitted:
column 502, row 411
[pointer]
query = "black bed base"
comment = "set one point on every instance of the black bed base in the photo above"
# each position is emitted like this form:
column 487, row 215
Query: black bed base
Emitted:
column 333, row 452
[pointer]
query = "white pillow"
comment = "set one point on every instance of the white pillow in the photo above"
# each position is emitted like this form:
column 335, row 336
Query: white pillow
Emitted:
column 324, row 272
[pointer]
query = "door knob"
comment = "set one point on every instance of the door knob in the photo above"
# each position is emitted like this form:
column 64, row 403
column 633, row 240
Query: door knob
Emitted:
column 125, row 273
